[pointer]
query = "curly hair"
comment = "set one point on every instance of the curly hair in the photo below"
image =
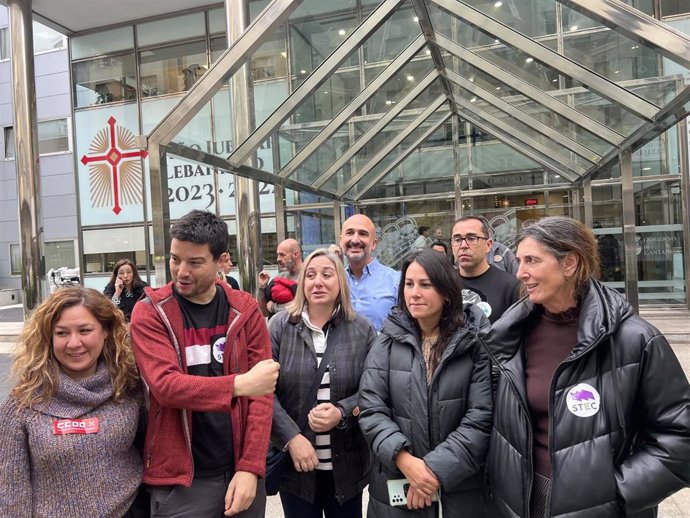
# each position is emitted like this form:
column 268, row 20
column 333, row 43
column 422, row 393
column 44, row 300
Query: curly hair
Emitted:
column 35, row 364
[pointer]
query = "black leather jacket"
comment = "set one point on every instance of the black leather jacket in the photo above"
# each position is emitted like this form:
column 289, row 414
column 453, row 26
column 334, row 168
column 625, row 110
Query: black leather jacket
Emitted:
column 619, row 416
column 446, row 423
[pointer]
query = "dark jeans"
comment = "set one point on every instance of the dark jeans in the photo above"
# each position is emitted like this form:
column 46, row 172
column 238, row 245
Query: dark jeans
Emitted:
column 204, row 498
column 324, row 502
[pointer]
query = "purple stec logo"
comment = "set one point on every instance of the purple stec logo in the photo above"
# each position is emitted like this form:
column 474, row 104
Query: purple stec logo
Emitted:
column 581, row 395
column 583, row 400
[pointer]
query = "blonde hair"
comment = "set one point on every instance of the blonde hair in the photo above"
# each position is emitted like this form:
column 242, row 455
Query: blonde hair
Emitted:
column 35, row 364
column 295, row 307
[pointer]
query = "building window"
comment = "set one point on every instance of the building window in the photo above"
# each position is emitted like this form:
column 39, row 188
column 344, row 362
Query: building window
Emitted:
column 53, row 137
column 4, row 43
column 172, row 69
column 46, row 39
column 671, row 7
column 59, row 254
column 9, row 141
column 15, row 259
column 104, row 80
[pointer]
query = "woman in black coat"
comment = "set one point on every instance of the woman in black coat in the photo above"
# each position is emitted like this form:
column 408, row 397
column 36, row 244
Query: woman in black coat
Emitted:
column 425, row 398
column 125, row 287
column 592, row 409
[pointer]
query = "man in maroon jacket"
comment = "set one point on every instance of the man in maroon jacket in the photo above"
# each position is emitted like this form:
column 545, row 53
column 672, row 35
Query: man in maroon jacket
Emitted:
column 205, row 354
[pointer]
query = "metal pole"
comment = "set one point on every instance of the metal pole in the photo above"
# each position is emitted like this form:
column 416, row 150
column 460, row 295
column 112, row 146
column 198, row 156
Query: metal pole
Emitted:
column 685, row 202
column 457, row 174
column 26, row 145
column 247, row 208
column 631, row 285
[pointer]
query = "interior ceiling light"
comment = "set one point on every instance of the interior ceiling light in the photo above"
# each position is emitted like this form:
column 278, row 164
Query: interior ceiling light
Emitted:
column 498, row 4
column 574, row 27
column 473, row 100
column 496, row 41
column 416, row 19
column 410, row 78
column 428, row 52
column 302, row 71
column 284, row 54
column 342, row 32
column 498, row 88
column 634, row 47
column 529, row 60
column 646, row 168
column 389, row 102
column 554, row 80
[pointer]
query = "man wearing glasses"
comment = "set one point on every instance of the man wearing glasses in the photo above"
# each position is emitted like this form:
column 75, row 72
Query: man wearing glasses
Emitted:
column 490, row 288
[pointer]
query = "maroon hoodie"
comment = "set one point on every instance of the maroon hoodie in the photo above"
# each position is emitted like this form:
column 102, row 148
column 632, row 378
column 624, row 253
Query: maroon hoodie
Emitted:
column 158, row 341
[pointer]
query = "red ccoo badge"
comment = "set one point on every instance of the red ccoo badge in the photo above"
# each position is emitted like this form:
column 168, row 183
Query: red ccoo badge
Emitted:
column 80, row 426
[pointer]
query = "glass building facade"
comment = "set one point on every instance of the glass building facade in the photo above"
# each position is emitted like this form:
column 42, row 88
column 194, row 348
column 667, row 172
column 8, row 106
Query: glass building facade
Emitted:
column 412, row 112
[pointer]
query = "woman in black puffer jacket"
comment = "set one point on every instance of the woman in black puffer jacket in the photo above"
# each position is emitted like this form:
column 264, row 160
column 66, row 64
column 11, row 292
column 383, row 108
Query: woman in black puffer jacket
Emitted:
column 425, row 396
column 592, row 409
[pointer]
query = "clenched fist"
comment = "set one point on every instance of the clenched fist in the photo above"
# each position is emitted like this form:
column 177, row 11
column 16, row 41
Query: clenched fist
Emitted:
column 259, row 381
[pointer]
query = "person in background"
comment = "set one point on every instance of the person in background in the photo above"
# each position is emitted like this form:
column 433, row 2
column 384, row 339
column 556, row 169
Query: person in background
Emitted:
column 204, row 352
column 289, row 259
column 125, row 287
column 330, row 459
column 423, row 239
column 373, row 286
column 425, row 396
column 499, row 255
column 440, row 246
column 68, row 428
column 492, row 289
column 224, row 272
column 592, row 408
column 438, row 234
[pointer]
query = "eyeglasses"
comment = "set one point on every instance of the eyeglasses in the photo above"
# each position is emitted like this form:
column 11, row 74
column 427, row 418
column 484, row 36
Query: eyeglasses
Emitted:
column 471, row 240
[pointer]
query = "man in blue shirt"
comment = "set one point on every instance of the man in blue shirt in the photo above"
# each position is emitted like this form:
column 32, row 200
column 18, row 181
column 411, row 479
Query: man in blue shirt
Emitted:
column 373, row 286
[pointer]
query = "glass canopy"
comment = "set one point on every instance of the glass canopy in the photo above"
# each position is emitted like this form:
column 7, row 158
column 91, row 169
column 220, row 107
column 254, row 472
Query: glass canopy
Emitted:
column 360, row 98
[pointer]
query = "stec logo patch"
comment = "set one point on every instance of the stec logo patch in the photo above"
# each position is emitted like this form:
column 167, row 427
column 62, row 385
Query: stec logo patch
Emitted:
column 583, row 400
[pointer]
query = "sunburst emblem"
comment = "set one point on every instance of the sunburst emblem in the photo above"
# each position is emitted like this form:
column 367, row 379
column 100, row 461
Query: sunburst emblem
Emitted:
column 115, row 173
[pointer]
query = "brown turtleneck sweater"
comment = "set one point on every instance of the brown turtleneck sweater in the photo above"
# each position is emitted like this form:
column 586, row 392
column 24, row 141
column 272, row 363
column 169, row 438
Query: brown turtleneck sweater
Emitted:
column 549, row 341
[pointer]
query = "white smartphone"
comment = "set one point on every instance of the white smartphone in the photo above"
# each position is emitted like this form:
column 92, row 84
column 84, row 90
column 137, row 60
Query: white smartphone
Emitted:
column 397, row 492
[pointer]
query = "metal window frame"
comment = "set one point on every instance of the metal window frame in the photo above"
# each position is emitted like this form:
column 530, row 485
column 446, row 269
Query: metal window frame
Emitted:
column 637, row 26
column 216, row 76
column 324, row 71
column 341, row 118
column 571, row 167
column 569, row 144
column 392, row 144
column 515, row 142
column 532, row 92
column 562, row 64
column 376, row 128
column 403, row 156
column 424, row 21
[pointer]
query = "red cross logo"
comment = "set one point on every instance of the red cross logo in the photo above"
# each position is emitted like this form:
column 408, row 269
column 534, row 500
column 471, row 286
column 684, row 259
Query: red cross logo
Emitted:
column 115, row 173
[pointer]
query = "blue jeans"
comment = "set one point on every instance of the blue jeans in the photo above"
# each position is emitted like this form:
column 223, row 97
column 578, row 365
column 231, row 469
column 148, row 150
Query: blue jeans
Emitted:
column 324, row 501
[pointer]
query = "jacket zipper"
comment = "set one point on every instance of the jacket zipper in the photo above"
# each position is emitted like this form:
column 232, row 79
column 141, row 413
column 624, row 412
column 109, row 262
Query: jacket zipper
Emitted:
column 561, row 367
column 153, row 439
column 523, row 406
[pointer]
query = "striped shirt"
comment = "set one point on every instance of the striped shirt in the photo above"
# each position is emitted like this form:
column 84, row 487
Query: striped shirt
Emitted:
column 323, row 439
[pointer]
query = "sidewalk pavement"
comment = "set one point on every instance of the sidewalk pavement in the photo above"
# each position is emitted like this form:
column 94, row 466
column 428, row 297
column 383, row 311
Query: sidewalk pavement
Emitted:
column 673, row 323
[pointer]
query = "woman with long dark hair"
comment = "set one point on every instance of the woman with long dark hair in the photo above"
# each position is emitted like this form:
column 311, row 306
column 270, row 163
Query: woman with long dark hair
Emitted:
column 125, row 287
column 592, row 408
column 425, row 398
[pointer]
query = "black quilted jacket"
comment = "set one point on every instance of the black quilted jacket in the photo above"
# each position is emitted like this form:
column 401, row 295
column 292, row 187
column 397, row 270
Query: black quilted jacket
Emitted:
column 619, row 412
